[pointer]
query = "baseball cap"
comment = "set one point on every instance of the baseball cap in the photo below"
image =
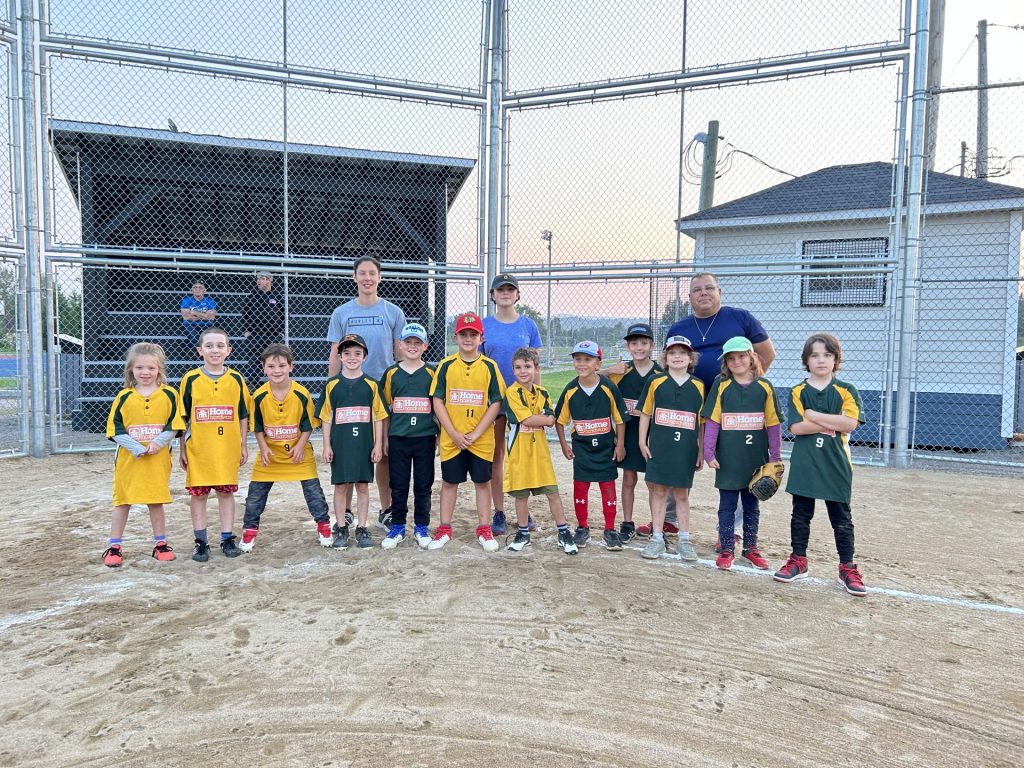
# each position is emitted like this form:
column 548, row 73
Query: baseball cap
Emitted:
column 263, row 273
column 673, row 341
column 353, row 339
column 587, row 348
column 736, row 344
column 504, row 279
column 639, row 329
column 414, row 330
column 469, row 322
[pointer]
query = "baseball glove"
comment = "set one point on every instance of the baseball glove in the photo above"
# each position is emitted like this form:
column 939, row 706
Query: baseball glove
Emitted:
column 766, row 480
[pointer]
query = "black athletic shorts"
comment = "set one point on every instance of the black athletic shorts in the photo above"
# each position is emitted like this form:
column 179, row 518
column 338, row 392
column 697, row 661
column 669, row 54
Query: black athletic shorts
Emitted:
column 455, row 469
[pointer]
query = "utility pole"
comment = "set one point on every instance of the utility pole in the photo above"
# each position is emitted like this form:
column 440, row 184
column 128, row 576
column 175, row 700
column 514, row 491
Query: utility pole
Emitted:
column 981, row 165
column 935, row 33
column 707, row 171
column 963, row 159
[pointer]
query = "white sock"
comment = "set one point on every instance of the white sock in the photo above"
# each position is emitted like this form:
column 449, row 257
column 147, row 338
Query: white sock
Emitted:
column 684, row 535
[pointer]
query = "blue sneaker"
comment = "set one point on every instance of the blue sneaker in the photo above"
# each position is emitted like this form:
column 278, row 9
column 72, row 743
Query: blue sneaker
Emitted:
column 498, row 526
column 422, row 536
column 396, row 535
column 531, row 524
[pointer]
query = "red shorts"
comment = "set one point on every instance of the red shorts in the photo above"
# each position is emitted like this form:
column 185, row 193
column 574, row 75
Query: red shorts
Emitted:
column 204, row 490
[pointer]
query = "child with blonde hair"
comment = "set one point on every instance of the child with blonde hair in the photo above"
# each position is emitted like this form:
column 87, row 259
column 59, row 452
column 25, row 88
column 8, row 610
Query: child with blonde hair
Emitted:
column 144, row 419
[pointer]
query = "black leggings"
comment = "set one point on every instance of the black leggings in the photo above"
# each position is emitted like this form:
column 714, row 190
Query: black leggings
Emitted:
column 838, row 514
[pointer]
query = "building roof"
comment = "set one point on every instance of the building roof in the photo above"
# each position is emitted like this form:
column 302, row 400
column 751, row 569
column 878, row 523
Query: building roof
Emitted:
column 861, row 191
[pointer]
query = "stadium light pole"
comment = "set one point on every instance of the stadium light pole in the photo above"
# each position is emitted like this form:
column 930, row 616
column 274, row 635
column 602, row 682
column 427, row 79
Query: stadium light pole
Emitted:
column 546, row 235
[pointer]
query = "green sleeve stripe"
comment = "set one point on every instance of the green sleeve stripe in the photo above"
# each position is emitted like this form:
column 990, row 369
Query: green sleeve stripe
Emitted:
column 169, row 394
column 119, row 428
column 257, row 412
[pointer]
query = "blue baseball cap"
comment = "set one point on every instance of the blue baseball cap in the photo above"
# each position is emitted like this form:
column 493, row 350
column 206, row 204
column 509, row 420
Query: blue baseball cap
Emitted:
column 587, row 348
column 414, row 331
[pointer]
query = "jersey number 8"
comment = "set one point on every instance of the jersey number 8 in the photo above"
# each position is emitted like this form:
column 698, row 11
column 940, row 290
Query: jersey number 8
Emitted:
column 412, row 421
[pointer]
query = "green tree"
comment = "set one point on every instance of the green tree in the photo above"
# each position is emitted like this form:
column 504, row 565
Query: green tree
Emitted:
column 533, row 314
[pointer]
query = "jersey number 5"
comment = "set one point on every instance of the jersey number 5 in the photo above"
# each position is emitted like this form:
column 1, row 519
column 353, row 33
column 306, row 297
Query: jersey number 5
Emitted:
column 355, row 431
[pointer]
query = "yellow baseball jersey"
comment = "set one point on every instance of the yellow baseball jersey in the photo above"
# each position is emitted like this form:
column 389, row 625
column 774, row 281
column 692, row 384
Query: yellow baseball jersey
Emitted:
column 213, row 409
column 282, row 423
column 145, row 480
column 528, row 457
column 468, row 389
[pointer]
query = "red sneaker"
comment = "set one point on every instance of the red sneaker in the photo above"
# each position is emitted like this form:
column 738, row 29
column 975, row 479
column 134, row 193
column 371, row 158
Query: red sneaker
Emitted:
column 795, row 568
column 248, row 539
column 852, row 580
column 724, row 559
column 671, row 527
column 113, row 557
column 323, row 531
column 163, row 552
column 755, row 559
column 645, row 529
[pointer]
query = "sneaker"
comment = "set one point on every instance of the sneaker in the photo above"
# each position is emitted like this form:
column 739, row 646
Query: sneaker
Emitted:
column 249, row 539
column 755, row 559
column 671, row 527
column 363, row 538
column 645, row 530
column 396, row 535
column 323, row 531
column 498, row 525
column 627, row 532
column 383, row 518
column 852, row 580
column 685, row 549
column 422, row 536
column 442, row 536
column 349, row 518
column 486, row 538
column 655, row 548
column 229, row 547
column 725, row 559
column 795, row 568
column 737, row 541
column 202, row 551
column 565, row 541
column 581, row 537
column 162, row 552
column 520, row 542
column 612, row 542
column 340, row 537
column 113, row 557
column 530, row 524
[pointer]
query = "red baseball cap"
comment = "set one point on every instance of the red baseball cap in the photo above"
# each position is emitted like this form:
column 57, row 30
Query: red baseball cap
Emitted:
column 469, row 322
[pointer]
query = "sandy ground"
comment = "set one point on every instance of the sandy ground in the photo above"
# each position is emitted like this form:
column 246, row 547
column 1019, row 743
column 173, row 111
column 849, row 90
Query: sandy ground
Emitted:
column 295, row 655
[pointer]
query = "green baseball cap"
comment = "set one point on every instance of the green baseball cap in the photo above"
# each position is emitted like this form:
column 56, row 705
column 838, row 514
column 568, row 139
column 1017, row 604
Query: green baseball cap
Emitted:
column 736, row 344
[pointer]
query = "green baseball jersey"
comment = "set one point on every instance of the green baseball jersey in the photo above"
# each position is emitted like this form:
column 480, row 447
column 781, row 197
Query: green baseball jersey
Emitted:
column 631, row 384
column 407, row 398
column 351, row 406
column 674, row 432
column 594, row 418
column 742, row 413
column 820, row 466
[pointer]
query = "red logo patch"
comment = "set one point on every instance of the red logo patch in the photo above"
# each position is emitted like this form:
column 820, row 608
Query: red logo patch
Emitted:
column 213, row 413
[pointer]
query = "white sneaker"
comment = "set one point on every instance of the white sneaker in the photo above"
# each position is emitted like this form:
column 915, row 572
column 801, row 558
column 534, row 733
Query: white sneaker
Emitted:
column 486, row 538
column 442, row 536
column 247, row 546
column 422, row 536
column 323, row 532
column 395, row 537
column 686, row 551
column 655, row 548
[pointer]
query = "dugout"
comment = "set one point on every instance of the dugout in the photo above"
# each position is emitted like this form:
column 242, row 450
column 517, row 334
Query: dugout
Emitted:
column 142, row 191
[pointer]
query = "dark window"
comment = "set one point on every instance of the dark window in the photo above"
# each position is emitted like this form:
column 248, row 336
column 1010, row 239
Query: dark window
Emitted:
column 837, row 286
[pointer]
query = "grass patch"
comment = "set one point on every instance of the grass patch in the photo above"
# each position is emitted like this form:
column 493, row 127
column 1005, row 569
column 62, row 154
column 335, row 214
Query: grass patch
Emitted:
column 11, row 382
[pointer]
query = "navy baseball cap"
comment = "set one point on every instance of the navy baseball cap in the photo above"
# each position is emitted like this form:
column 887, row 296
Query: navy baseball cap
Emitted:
column 353, row 340
column 639, row 329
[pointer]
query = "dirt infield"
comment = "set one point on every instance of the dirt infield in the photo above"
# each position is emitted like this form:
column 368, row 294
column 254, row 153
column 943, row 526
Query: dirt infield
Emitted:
column 295, row 655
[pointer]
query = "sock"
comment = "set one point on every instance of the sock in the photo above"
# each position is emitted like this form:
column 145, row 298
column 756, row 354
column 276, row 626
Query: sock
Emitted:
column 658, row 536
column 580, row 492
column 160, row 539
column 200, row 535
column 524, row 529
column 563, row 527
column 225, row 535
column 114, row 542
column 608, row 505
column 684, row 535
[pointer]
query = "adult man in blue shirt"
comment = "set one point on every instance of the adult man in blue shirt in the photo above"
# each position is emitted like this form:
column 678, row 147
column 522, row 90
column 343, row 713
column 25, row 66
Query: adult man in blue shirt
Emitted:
column 197, row 312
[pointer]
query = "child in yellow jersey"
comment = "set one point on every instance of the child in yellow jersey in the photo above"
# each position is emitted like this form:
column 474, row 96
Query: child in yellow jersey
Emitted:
column 528, row 470
column 216, row 406
column 144, row 418
column 283, row 420
column 467, row 393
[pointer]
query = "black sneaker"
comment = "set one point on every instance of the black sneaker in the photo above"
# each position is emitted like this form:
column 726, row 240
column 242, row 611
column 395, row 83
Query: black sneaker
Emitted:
column 627, row 532
column 202, row 552
column 349, row 517
column 384, row 519
column 582, row 536
column 520, row 542
column 363, row 538
column 612, row 542
column 565, row 541
column 340, row 537
column 229, row 547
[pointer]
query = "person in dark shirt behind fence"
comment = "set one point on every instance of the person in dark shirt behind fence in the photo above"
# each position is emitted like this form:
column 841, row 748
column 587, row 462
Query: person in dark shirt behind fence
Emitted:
column 262, row 322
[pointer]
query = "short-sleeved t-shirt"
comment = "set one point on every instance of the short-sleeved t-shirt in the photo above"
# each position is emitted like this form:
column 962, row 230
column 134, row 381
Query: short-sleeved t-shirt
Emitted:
column 743, row 414
column 407, row 398
column 709, row 335
column 282, row 422
column 631, row 384
column 201, row 305
column 501, row 340
column 820, row 466
column 528, row 458
column 143, row 480
column 467, row 390
column 594, row 418
column 380, row 325
column 673, row 434
column 352, row 406
column 214, row 409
